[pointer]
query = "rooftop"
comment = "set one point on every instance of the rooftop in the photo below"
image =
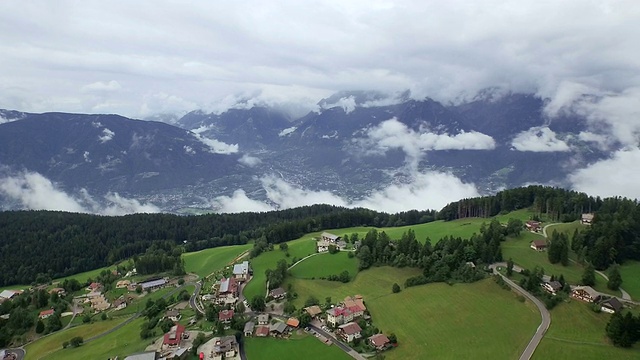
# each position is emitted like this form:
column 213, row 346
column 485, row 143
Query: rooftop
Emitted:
column 241, row 269
column 351, row 328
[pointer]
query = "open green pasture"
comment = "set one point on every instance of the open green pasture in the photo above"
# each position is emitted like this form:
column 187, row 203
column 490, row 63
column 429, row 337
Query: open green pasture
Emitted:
column 325, row 264
column 206, row 261
column 576, row 329
column 630, row 272
column 566, row 228
column 432, row 321
column 308, row 348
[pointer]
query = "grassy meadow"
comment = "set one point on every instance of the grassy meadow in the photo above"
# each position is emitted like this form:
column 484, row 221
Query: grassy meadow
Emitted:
column 206, row 261
column 307, row 347
column 325, row 264
column 630, row 272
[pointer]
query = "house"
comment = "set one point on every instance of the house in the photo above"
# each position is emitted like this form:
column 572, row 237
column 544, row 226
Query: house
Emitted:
column 278, row 293
column 263, row 319
column 148, row 355
column 173, row 315
column 225, row 316
column 322, row 246
column 227, row 291
column 153, row 284
column 277, row 328
column 242, row 271
column 123, row 284
column 248, row 328
column 293, row 322
column 119, row 304
column 8, row 294
column 538, row 245
column 262, row 331
column 313, row 311
column 349, row 331
column 585, row 293
column 225, row 347
column 612, row 305
column 94, row 287
column 341, row 244
column 379, row 341
column 58, row 290
column 339, row 315
column 45, row 313
column 552, row 287
column 355, row 304
column 356, row 244
column 173, row 337
column 330, row 237
column 587, row 219
column 533, row 226
column 99, row 303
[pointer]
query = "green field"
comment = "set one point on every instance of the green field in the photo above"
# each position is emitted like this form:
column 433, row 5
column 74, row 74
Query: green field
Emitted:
column 576, row 329
column 630, row 272
column 53, row 343
column 308, row 348
column 204, row 262
column 431, row 321
column 325, row 264
column 566, row 228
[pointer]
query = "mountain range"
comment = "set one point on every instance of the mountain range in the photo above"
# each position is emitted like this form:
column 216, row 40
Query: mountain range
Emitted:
column 354, row 144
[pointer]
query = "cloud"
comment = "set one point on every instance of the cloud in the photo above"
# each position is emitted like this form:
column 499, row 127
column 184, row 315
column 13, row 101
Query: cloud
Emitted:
column 539, row 139
column 392, row 134
column 101, row 86
column 215, row 146
column 287, row 131
column 249, row 160
column 36, row 192
column 601, row 140
column 348, row 104
column 189, row 150
column 616, row 176
column 427, row 190
column 86, row 156
column 106, row 135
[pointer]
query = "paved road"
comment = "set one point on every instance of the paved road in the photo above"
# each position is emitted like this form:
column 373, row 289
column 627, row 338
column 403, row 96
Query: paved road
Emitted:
column 544, row 313
column 193, row 300
column 19, row 352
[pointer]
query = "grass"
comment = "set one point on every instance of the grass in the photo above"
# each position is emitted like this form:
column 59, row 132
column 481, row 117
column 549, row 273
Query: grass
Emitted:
column 307, row 347
column 325, row 264
column 576, row 329
column 432, row 321
column 204, row 262
column 630, row 272
column 53, row 343
column 566, row 228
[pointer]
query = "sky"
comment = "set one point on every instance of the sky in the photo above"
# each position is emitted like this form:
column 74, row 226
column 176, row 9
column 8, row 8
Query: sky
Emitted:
column 156, row 57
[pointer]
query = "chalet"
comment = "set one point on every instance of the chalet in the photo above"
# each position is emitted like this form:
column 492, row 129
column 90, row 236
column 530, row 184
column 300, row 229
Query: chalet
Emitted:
column 533, row 226
column 539, row 245
column 262, row 331
column 293, row 322
column 379, row 341
column 277, row 328
column 225, row 316
column 585, row 293
column 263, row 319
column 59, row 291
column 174, row 337
column 153, row 284
column 587, row 219
column 173, row 315
column 313, row 311
column 227, row 291
column 123, row 284
column 322, row 246
column 552, row 287
column 242, row 271
column 330, row 237
column 225, row 347
column 46, row 313
column 612, row 305
column 119, row 304
column 94, row 287
column 349, row 331
column 278, row 293
column 248, row 328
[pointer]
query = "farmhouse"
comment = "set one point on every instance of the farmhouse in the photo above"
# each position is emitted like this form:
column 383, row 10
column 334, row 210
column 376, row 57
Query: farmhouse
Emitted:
column 262, row 331
column 263, row 319
column 174, row 337
column 349, row 331
column 153, row 284
column 611, row 306
column 45, row 313
column 225, row 347
column 379, row 341
column 278, row 328
column 552, row 287
column 293, row 322
column 225, row 316
column 242, row 271
column 330, row 237
column 587, row 219
column 538, row 245
column 173, row 315
column 313, row 311
column 119, row 304
column 228, row 291
column 94, row 287
column 8, row 294
column 248, row 328
column 585, row 293
column 322, row 246
column 278, row 293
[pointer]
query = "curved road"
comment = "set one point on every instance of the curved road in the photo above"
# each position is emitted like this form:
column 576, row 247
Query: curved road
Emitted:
column 544, row 313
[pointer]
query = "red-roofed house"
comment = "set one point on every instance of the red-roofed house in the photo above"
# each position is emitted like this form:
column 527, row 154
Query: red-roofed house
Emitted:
column 94, row 286
column 533, row 226
column 293, row 322
column 379, row 341
column 225, row 316
column 350, row 331
column 174, row 336
column 262, row 331
column 538, row 245
column 339, row 315
column 46, row 313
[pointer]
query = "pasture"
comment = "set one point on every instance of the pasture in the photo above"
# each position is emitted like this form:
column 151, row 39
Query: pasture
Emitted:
column 576, row 329
column 431, row 321
column 307, row 347
column 325, row 264
column 206, row 261
column 630, row 272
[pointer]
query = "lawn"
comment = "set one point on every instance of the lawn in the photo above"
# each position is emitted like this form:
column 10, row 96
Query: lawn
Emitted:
column 630, row 272
column 432, row 321
column 52, row 343
column 566, row 228
column 308, row 348
column 204, row 262
column 576, row 329
column 325, row 264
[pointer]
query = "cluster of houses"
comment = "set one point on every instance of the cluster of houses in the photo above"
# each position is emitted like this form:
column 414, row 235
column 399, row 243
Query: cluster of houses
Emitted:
column 226, row 291
column 588, row 294
column 327, row 239
column 263, row 327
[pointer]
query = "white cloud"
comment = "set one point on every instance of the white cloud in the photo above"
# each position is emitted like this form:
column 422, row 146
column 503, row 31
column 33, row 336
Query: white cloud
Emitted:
column 617, row 176
column 249, row 160
column 287, row 131
column 348, row 104
column 539, row 139
column 601, row 140
column 428, row 190
column 102, row 86
column 215, row 146
column 36, row 192
column 86, row 156
column 106, row 135
column 392, row 134
column 189, row 150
